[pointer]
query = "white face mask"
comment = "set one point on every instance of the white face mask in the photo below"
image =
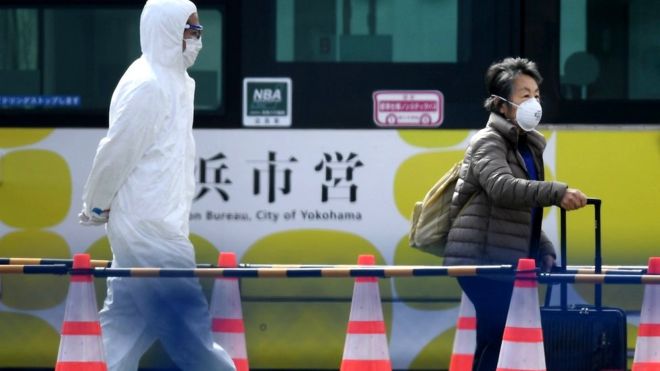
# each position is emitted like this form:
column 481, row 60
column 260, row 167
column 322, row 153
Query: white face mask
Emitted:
column 193, row 46
column 528, row 114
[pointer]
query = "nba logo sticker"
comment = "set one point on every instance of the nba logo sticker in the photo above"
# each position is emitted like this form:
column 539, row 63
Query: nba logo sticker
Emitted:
column 267, row 102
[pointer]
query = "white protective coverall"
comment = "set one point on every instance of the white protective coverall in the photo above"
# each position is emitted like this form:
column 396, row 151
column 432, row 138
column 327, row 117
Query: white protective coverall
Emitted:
column 143, row 173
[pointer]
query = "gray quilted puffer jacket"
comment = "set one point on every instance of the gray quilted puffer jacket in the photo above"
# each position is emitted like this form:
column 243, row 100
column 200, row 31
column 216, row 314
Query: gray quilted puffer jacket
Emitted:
column 494, row 227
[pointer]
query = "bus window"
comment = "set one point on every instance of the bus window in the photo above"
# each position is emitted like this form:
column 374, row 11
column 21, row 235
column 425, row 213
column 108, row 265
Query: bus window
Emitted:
column 366, row 31
column 71, row 58
column 339, row 52
column 608, row 52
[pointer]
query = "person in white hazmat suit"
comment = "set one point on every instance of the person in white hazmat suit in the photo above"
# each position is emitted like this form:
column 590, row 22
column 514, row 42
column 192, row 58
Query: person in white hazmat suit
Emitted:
column 142, row 184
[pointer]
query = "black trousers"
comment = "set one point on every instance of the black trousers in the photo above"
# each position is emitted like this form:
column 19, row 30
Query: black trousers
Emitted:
column 491, row 299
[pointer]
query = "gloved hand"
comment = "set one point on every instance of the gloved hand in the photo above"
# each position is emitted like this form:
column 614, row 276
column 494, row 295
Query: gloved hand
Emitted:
column 98, row 217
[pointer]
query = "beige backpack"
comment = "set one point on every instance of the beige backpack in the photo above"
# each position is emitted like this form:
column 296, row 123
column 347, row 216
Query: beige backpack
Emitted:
column 430, row 218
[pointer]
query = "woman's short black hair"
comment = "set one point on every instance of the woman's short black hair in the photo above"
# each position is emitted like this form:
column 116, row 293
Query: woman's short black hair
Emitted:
column 500, row 77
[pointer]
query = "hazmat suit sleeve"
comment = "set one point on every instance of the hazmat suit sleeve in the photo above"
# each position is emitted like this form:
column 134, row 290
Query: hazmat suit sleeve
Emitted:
column 135, row 115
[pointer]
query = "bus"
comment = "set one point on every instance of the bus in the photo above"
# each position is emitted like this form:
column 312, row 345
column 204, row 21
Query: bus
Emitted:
column 299, row 163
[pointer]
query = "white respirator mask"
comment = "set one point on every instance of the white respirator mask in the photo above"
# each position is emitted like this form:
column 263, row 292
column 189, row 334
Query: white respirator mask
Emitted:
column 528, row 114
column 193, row 46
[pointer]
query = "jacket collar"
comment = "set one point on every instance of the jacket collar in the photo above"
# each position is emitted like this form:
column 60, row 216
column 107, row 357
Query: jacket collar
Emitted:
column 512, row 133
column 506, row 128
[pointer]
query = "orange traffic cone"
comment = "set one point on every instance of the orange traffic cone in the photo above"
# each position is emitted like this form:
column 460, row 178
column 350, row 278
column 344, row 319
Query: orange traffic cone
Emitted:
column 366, row 348
column 465, row 339
column 522, row 341
column 81, row 346
column 647, row 349
column 228, row 326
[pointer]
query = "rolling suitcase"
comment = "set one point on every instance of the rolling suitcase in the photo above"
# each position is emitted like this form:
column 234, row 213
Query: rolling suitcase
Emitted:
column 583, row 337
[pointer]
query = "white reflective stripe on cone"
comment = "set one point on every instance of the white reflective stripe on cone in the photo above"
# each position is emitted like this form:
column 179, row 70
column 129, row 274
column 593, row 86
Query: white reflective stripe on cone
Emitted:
column 467, row 308
column 651, row 305
column 366, row 302
column 71, row 346
column 233, row 343
column 465, row 342
column 648, row 350
column 654, row 316
column 521, row 356
column 524, row 298
column 79, row 304
column 226, row 301
column 366, row 347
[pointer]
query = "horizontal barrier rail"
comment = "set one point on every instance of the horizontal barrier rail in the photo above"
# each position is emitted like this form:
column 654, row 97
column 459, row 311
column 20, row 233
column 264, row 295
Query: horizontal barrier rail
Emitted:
column 46, row 261
column 599, row 278
column 580, row 269
column 35, row 269
column 334, row 272
column 339, row 272
column 503, row 271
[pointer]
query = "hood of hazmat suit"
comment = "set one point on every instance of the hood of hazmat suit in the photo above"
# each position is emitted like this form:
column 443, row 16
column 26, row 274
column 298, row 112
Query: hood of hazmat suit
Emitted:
column 143, row 170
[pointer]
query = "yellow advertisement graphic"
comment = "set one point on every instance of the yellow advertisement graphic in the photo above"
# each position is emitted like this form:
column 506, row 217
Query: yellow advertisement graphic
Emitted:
column 301, row 323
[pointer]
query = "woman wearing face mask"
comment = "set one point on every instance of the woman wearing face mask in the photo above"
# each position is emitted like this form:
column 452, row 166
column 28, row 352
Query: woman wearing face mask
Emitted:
column 498, row 200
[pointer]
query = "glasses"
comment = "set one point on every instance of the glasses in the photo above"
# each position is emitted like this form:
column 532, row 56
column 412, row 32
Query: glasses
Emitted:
column 194, row 30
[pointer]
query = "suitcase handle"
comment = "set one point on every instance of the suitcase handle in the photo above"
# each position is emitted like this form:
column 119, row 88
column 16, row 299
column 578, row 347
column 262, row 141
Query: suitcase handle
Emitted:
column 598, row 259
